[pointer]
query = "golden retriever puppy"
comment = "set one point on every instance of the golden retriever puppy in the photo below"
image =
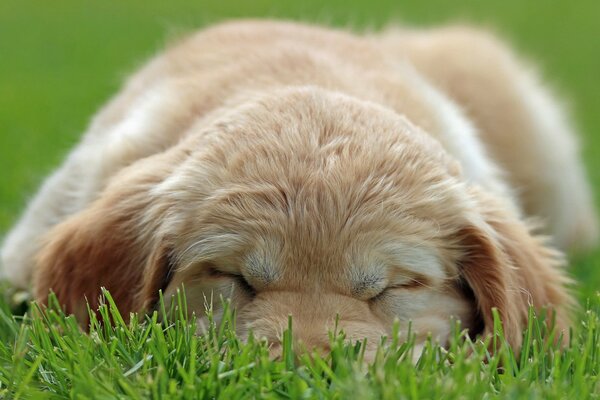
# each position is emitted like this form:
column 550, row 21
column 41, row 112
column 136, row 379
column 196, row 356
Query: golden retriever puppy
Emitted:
column 311, row 172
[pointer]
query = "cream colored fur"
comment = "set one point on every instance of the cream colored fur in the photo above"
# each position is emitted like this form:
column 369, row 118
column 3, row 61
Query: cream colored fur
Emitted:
column 307, row 171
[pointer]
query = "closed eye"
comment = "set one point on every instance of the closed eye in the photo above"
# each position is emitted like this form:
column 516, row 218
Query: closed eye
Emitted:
column 412, row 284
column 239, row 279
column 214, row 272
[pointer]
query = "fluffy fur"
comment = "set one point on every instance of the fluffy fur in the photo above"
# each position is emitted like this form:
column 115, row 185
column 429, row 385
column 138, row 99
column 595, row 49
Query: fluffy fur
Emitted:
column 306, row 171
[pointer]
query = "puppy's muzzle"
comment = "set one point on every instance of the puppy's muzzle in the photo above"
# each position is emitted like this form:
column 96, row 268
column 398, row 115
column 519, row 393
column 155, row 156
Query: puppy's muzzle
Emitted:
column 314, row 317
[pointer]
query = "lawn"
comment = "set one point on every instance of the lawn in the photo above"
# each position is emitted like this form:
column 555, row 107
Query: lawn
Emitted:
column 60, row 60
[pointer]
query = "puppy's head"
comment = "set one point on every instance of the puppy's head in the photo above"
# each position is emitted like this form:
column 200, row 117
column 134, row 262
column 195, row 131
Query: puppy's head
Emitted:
column 310, row 204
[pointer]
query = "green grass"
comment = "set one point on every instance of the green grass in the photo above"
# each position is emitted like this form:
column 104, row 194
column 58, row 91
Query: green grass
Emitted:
column 46, row 355
column 60, row 60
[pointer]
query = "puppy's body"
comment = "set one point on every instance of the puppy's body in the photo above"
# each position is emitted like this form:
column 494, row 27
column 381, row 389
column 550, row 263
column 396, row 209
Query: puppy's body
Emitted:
column 375, row 177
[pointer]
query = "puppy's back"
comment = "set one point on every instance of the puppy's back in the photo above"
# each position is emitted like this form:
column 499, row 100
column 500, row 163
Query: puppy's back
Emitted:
column 522, row 123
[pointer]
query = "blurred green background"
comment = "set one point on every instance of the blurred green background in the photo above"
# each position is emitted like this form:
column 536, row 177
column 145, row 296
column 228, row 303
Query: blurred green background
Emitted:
column 60, row 60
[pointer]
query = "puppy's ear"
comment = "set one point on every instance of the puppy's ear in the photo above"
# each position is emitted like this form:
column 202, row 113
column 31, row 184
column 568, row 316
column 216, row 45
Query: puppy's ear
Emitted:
column 114, row 243
column 509, row 268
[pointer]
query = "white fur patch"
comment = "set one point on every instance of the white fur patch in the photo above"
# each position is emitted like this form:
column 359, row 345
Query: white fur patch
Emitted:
column 567, row 206
column 416, row 259
column 143, row 117
column 459, row 137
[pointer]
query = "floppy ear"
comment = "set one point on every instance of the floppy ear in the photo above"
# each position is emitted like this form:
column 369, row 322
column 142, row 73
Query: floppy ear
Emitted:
column 114, row 243
column 509, row 268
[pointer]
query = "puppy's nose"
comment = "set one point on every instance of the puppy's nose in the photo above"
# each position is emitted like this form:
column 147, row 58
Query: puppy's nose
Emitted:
column 314, row 316
column 299, row 347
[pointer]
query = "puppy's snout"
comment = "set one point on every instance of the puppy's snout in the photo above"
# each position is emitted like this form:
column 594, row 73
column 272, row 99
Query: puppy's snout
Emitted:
column 276, row 348
column 313, row 318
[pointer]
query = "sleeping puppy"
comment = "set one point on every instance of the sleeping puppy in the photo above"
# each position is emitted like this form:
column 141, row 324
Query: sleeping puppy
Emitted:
column 307, row 171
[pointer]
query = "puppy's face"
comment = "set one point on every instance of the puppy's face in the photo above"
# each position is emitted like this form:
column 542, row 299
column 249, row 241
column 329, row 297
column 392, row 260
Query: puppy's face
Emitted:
column 316, row 249
column 310, row 204
column 318, row 214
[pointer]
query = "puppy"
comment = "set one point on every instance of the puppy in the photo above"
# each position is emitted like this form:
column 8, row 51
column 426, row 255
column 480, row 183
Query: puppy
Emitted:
column 310, row 172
